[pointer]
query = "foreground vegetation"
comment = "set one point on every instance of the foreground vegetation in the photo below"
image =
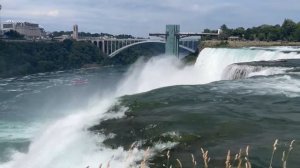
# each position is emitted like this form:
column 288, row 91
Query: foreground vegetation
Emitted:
column 241, row 159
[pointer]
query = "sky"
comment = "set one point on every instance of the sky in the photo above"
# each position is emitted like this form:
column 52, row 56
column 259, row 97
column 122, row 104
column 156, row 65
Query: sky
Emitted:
column 141, row 17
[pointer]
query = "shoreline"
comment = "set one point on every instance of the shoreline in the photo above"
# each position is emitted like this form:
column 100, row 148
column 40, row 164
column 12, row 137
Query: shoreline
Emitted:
column 241, row 44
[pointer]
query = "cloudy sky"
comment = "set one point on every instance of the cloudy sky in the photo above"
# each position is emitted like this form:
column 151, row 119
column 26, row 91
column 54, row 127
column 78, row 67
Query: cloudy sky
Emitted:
column 140, row 17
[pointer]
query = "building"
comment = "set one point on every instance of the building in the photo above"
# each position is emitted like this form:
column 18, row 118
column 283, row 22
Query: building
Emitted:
column 29, row 30
column 62, row 38
column 75, row 32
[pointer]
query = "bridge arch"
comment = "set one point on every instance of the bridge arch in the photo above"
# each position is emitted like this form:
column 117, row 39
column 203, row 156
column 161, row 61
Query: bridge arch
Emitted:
column 142, row 42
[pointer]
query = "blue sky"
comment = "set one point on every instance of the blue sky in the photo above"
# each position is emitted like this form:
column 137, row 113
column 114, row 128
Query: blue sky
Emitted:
column 140, row 17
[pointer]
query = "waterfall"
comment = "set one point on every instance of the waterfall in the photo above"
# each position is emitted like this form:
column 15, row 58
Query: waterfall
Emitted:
column 67, row 141
column 212, row 62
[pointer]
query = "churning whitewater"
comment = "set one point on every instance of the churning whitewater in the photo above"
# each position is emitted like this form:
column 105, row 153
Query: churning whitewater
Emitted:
column 67, row 141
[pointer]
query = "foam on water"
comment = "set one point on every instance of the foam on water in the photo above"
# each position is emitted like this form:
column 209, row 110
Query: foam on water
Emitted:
column 235, row 71
column 211, row 62
column 67, row 141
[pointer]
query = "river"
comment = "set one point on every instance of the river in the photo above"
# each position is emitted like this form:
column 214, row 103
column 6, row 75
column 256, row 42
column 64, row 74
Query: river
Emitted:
column 118, row 116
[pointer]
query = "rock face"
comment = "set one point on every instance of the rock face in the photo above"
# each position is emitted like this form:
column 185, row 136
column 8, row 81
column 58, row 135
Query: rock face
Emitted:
column 248, row 69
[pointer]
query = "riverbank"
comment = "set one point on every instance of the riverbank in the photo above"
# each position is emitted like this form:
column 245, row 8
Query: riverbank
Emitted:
column 18, row 58
column 240, row 44
column 23, row 58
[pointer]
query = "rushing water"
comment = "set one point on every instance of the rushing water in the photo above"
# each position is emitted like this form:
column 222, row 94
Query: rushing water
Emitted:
column 88, row 117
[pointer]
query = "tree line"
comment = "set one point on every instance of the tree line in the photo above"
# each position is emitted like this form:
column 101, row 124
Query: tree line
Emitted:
column 22, row 58
column 87, row 34
column 287, row 31
column 19, row 58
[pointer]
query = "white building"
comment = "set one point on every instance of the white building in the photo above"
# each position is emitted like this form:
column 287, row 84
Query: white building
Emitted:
column 29, row 30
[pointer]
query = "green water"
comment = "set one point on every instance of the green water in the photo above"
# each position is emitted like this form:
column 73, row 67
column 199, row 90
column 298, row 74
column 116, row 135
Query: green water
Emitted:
column 221, row 116
column 87, row 117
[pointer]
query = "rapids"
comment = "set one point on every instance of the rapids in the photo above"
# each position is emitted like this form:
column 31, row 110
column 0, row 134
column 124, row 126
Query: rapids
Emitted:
column 47, row 120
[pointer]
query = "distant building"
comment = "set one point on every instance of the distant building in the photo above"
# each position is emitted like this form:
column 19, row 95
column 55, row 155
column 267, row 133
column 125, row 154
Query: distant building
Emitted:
column 234, row 38
column 29, row 30
column 75, row 32
column 62, row 37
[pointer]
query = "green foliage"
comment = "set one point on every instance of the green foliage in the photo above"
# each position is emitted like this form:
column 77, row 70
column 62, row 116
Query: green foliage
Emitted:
column 21, row 58
column 84, row 34
column 296, row 34
column 288, row 31
column 124, row 36
column 288, row 28
column 14, row 35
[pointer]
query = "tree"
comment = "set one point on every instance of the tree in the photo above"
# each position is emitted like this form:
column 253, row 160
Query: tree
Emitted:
column 288, row 28
column 296, row 34
column 12, row 34
column 261, row 37
column 225, row 32
column 224, row 27
column 240, row 32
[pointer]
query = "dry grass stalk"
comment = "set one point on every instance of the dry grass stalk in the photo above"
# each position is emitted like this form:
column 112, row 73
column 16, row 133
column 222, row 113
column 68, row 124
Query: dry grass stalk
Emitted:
column 239, row 158
column 193, row 161
column 283, row 160
column 108, row 164
column 205, row 157
column 100, row 166
column 168, row 158
column 235, row 159
column 133, row 145
column 285, row 154
column 144, row 163
column 178, row 161
column 227, row 163
column 248, row 163
column 274, row 149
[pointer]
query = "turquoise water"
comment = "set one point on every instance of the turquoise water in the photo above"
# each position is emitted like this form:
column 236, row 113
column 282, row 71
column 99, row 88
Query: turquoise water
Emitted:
column 28, row 104
column 90, row 117
column 220, row 116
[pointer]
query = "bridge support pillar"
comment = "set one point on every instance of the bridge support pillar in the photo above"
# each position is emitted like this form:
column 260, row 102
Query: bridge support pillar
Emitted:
column 172, row 40
column 103, row 46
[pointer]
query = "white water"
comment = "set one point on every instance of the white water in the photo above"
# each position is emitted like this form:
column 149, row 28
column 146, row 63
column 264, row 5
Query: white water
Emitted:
column 212, row 62
column 235, row 71
column 66, row 143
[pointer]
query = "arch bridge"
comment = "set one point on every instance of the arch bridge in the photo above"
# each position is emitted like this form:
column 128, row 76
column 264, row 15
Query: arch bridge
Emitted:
column 172, row 38
column 112, row 47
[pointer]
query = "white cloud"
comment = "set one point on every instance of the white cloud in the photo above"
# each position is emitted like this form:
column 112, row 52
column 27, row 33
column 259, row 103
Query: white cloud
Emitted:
column 53, row 13
column 140, row 17
column 50, row 13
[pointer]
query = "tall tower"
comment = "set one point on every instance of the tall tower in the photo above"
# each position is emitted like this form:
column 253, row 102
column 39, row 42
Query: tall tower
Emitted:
column 172, row 39
column 75, row 32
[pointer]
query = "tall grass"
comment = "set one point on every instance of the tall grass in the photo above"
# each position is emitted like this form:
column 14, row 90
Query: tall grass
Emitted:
column 239, row 160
